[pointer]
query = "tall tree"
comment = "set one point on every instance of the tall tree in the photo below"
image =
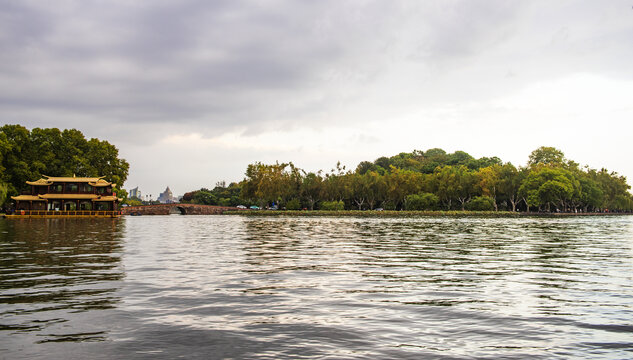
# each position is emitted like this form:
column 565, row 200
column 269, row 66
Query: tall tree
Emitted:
column 546, row 155
column 312, row 188
column 549, row 186
column 488, row 180
column 509, row 183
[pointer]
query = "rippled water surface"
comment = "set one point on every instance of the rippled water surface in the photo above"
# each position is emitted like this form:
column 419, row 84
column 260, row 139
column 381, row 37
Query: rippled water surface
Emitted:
column 235, row 287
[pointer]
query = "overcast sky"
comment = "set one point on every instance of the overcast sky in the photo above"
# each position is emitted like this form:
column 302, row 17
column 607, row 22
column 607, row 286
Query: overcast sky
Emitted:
column 191, row 92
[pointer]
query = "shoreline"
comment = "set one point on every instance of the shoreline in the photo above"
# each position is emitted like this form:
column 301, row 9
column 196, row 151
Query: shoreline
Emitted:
column 405, row 213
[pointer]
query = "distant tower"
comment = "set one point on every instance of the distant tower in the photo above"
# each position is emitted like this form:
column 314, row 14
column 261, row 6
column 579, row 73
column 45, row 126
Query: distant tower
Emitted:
column 135, row 193
column 166, row 196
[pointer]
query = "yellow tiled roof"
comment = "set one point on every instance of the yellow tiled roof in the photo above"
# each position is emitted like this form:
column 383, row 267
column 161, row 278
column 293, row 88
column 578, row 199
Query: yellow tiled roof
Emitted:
column 27, row 198
column 108, row 198
column 94, row 181
column 69, row 196
column 39, row 182
column 74, row 179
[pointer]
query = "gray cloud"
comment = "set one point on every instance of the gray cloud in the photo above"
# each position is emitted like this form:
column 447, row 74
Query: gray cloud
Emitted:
column 216, row 66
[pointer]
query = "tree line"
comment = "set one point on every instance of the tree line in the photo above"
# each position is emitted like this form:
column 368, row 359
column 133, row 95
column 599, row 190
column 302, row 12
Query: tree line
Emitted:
column 431, row 180
column 420, row 180
column 28, row 155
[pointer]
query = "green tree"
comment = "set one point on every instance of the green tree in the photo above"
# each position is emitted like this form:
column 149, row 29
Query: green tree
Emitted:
column 376, row 188
column 336, row 185
column 4, row 190
column 459, row 158
column 365, row 166
column 312, row 188
column 293, row 204
column 133, row 202
column 510, row 179
column 591, row 196
column 360, row 189
column 549, row 186
column 614, row 188
column 454, row 183
column 333, row 205
column 204, row 197
column 546, row 155
column 481, row 203
column 423, row 201
column 401, row 183
column 488, row 180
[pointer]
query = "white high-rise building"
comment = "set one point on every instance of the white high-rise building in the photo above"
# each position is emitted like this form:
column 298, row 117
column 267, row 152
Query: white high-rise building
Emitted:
column 166, row 196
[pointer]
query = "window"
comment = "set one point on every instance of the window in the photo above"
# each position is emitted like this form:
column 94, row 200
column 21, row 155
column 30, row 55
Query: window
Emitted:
column 71, row 188
column 70, row 206
column 86, row 188
column 57, row 188
column 85, row 205
column 54, row 205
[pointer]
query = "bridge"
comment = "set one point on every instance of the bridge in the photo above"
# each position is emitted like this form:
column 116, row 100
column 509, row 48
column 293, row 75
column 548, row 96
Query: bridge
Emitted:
column 182, row 209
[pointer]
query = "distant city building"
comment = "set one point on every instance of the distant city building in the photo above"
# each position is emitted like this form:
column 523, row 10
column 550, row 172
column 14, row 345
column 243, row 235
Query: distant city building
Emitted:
column 166, row 197
column 135, row 193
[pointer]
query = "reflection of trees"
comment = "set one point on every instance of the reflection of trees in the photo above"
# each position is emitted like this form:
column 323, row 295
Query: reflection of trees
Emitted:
column 270, row 243
column 52, row 268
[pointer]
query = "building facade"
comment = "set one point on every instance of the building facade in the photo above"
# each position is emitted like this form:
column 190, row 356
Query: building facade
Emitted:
column 135, row 193
column 166, row 197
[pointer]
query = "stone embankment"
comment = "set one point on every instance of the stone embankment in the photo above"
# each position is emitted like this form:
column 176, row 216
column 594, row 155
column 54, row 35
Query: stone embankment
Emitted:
column 184, row 209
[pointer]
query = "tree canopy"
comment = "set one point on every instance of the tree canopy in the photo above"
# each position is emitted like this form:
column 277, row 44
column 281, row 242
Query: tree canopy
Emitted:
column 435, row 179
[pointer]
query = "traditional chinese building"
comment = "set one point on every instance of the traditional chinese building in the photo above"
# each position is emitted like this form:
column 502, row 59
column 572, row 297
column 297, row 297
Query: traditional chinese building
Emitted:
column 68, row 196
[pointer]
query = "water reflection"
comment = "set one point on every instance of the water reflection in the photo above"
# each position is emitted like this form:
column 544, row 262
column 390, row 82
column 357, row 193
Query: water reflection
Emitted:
column 52, row 270
column 522, row 274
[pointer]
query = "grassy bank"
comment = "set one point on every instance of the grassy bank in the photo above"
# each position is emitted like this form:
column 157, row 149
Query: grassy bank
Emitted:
column 388, row 213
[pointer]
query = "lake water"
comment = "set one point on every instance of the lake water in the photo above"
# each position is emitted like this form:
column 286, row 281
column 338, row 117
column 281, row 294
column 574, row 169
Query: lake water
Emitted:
column 212, row 287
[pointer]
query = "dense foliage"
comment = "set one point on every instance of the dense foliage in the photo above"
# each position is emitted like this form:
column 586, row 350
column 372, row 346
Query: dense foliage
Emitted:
column 436, row 180
column 27, row 155
column 221, row 195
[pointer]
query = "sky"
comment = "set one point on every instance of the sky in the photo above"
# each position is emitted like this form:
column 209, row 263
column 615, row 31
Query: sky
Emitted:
column 192, row 91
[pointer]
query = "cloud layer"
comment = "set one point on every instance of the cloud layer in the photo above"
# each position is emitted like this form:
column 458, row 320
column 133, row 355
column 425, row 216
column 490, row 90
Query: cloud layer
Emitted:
column 248, row 81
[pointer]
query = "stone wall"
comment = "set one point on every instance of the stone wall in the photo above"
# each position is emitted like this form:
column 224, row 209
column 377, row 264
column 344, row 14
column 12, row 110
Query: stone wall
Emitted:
column 166, row 209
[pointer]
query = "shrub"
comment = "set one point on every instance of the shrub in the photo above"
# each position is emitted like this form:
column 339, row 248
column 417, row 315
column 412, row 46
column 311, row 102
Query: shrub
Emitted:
column 388, row 205
column 133, row 202
column 332, row 205
column 224, row 202
column 204, row 198
column 423, row 201
column 293, row 204
column 481, row 203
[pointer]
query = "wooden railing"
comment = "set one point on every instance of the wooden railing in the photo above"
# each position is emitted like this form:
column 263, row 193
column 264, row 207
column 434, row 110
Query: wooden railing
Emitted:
column 86, row 213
